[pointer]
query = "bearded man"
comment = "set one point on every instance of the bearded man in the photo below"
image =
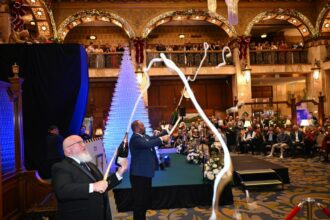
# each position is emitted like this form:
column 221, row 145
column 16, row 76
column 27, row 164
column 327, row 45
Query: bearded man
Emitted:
column 79, row 187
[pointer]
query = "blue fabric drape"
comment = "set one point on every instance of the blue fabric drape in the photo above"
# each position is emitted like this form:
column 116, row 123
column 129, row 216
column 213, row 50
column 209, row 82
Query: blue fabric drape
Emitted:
column 55, row 91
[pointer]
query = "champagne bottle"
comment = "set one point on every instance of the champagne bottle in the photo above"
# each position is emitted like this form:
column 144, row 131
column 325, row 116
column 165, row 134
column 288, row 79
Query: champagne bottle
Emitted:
column 122, row 151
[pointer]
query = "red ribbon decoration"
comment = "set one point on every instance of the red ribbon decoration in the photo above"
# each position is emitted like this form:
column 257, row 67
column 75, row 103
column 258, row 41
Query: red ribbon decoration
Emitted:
column 139, row 45
column 243, row 45
column 293, row 213
column 326, row 211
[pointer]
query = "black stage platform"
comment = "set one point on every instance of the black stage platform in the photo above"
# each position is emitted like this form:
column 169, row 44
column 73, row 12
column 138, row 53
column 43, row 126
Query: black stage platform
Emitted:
column 247, row 162
column 178, row 186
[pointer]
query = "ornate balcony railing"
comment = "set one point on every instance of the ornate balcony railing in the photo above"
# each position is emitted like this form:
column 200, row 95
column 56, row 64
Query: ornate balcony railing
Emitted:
column 104, row 60
column 287, row 56
column 189, row 58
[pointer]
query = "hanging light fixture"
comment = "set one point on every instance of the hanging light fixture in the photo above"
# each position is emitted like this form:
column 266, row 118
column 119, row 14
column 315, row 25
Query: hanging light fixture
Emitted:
column 92, row 37
column 139, row 74
column 316, row 70
column 247, row 73
column 264, row 35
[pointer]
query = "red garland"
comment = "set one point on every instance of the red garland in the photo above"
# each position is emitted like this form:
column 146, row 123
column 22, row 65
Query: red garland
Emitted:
column 139, row 45
column 243, row 45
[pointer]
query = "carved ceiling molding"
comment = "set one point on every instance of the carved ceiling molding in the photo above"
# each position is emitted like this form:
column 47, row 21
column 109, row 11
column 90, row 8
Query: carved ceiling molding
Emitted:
column 323, row 20
column 297, row 19
column 190, row 14
column 43, row 17
column 86, row 16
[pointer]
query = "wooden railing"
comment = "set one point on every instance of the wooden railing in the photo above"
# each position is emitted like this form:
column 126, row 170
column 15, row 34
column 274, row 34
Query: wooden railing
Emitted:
column 104, row 60
column 189, row 58
column 287, row 56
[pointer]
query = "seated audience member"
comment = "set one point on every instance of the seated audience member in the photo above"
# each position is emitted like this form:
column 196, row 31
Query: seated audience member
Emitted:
column 309, row 141
column 246, row 142
column 269, row 139
column 257, row 141
column 83, row 133
column 231, row 136
column 297, row 139
column 204, row 147
column 326, row 144
column 283, row 142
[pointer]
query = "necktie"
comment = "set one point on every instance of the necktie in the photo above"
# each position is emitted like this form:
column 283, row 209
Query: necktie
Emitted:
column 85, row 167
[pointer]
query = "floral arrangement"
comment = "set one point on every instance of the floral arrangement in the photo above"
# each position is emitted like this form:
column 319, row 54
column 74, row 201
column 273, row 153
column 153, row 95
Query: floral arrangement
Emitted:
column 195, row 156
column 212, row 167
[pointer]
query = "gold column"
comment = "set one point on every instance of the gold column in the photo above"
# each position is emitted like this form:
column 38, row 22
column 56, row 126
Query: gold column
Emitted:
column 243, row 87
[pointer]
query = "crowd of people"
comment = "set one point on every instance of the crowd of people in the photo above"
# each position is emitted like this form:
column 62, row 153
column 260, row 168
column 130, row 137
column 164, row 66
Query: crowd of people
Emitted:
column 277, row 53
column 186, row 47
column 260, row 135
column 104, row 56
column 107, row 48
column 275, row 45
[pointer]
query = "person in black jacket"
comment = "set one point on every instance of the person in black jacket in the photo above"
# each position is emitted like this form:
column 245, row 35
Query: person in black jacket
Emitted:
column 54, row 150
column 79, row 187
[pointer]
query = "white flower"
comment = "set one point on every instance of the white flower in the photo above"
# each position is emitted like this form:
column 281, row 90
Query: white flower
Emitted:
column 216, row 171
column 210, row 175
column 215, row 165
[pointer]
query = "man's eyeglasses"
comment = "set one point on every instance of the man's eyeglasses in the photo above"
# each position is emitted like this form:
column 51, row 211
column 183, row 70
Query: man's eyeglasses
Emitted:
column 78, row 142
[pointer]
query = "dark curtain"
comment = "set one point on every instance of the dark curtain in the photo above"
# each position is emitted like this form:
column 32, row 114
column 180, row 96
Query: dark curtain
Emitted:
column 55, row 91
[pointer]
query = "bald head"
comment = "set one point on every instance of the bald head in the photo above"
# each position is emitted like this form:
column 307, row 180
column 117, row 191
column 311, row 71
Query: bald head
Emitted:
column 72, row 145
column 138, row 127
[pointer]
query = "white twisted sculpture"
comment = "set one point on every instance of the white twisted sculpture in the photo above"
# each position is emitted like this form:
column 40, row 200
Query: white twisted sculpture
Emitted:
column 225, row 175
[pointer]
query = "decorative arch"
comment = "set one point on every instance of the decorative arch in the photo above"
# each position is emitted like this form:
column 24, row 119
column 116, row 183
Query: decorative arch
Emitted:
column 297, row 19
column 86, row 16
column 323, row 20
column 43, row 18
column 190, row 14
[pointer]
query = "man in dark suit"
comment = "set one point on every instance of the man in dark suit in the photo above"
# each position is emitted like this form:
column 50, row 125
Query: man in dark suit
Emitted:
column 80, row 191
column 143, row 164
column 297, row 139
column 269, row 139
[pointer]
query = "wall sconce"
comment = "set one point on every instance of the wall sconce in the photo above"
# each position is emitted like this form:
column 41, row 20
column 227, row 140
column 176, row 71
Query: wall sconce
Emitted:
column 99, row 132
column 91, row 37
column 316, row 70
column 247, row 73
column 181, row 36
column 139, row 74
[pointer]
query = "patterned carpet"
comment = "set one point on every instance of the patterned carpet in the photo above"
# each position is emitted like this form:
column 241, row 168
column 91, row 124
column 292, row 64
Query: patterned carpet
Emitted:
column 309, row 178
